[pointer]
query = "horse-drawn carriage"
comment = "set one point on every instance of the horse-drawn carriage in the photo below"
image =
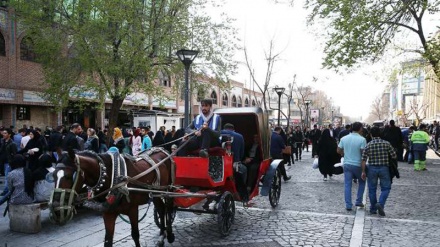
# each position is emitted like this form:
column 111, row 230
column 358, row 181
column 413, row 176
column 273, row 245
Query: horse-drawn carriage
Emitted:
column 175, row 183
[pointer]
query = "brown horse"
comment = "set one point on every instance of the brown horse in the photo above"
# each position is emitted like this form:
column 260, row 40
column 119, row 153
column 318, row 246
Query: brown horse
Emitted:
column 95, row 171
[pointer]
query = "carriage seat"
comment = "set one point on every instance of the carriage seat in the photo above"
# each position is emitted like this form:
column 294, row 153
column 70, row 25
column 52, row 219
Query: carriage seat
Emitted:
column 214, row 151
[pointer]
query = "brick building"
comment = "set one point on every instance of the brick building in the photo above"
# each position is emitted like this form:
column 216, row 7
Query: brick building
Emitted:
column 20, row 78
column 21, row 81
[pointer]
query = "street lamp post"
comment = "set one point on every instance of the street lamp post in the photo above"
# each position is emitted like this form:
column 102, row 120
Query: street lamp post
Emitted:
column 186, row 57
column 307, row 102
column 321, row 116
column 331, row 121
column 279, row 91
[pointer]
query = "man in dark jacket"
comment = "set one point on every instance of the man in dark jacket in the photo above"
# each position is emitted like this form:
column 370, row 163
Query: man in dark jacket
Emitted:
column 394, row 136
column 298, row 138
column 344, row 132
column 315, row 134
column 55, row 141
column 276, row 150
column 70, row 141
column 8, row 149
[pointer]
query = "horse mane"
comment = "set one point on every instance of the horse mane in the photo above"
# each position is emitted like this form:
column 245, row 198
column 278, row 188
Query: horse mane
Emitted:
column 101, row 158
column 88, row 153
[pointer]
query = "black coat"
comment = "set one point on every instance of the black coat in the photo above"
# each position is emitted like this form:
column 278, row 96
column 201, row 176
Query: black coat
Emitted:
column 394, row 136
column 70, row 142
column 315, row 134
column 327, row 154
column 158, row 139
column 120, row 144
column 32, row 159
column 55, row 141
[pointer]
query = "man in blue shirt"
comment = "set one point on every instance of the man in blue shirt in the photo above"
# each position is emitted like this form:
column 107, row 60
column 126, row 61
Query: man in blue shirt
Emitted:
column 276, row 150
column 237, row 144
column 351, row 147
column 207, row 130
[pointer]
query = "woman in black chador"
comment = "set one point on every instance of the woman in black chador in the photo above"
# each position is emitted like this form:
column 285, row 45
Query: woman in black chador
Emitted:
column 328, row 156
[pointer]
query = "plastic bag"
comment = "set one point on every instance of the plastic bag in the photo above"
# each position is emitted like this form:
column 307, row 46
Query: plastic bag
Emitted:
column 341, row 163
column 315, row 163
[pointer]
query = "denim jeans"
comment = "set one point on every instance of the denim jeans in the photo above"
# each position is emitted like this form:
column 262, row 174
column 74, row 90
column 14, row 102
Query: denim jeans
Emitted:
column 7, row 170
column 351, row 172
column 383, row 174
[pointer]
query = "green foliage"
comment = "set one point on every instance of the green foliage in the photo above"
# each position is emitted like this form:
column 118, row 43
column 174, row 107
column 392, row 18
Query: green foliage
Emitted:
column 361, row 31
column 116, row 47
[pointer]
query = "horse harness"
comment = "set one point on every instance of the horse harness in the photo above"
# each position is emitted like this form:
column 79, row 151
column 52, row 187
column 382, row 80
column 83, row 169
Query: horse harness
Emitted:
column 124, row 180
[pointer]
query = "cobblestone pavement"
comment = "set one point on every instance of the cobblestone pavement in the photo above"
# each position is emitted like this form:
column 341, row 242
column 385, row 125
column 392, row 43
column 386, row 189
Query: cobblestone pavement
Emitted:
column 311, row 213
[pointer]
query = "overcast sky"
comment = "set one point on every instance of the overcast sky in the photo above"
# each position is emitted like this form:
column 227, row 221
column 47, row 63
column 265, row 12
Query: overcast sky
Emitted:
column 259, row 21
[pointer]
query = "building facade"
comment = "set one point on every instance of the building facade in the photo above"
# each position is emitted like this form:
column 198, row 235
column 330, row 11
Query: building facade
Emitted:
column 22, row 81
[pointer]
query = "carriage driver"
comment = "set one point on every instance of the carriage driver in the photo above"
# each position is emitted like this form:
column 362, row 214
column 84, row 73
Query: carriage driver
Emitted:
column 207, row 126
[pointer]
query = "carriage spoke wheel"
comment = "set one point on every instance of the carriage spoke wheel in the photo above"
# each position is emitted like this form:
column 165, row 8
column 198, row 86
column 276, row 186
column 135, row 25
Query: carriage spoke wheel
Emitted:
column 157, row 218
column 225, row 213
column 275, row 189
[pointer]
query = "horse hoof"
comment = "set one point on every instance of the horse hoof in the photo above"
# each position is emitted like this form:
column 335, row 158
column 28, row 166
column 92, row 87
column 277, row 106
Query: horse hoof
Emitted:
column 171, row 238
column 160, row 244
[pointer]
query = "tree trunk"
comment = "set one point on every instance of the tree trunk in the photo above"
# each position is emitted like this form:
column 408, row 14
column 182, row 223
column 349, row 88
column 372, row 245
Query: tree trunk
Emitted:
column 113, row 117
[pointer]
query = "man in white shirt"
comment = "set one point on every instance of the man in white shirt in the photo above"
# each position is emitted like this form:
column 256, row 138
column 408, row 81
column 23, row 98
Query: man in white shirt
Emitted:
column 26, row 137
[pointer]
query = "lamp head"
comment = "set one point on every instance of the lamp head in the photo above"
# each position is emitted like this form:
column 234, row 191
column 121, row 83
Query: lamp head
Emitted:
column 279, row 90
column 186, row 56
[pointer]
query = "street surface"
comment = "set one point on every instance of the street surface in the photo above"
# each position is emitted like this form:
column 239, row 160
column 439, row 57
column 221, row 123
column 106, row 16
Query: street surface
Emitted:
column 311, row 213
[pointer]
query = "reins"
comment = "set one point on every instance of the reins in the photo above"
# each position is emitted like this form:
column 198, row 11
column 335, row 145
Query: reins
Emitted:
column 134, row 179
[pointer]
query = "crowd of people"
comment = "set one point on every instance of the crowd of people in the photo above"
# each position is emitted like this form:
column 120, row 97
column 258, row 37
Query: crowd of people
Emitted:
column 27, row 156
column 368, row 154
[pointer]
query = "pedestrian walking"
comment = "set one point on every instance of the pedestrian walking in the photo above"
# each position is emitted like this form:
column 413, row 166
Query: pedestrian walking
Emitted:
column 394, row 136
column 276, row 150
column 92, row 142
column 378, row 152
column 315, row 134
column 298, row 138
column 351, row 147
column 306, row 139
column 327, row 155
column 420, row 140
column 8, row 150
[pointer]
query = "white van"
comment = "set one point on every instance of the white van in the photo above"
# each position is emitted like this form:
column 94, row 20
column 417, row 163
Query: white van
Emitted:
column 379, row 123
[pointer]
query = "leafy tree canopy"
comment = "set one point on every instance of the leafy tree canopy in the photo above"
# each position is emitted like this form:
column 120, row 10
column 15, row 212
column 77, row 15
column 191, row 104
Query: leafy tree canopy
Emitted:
column 117, row 47
column 363, row 30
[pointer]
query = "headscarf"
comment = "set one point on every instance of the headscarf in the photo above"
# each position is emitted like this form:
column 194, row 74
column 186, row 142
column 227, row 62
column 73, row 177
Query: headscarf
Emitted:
column 117, row 134
column 36, row 135
column 18, row 161
column 137, row 132
column 325, row 137
column 44, row 161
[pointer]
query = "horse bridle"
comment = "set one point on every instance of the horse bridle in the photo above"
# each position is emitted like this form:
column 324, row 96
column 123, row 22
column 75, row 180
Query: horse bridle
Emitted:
column 67, row 211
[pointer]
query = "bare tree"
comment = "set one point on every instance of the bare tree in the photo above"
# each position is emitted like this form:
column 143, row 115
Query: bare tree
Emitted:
column 376, row 108
column 416, row 110
column 303, row 95
column 270, row 57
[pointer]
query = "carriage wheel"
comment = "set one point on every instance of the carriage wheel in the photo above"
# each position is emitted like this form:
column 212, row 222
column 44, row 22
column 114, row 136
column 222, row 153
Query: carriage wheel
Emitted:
column 157, row 218
column 275, row 189
column 225, row 213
